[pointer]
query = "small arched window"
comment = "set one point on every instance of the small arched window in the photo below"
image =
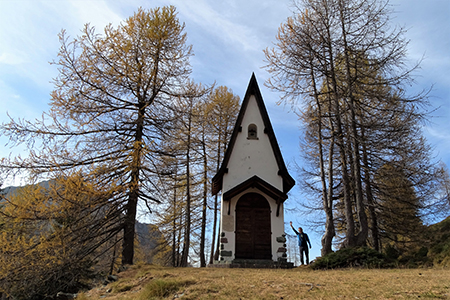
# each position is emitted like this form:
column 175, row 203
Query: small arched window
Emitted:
column 252, row 132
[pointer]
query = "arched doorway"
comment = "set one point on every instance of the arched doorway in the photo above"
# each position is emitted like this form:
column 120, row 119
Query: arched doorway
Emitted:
column 253, row 230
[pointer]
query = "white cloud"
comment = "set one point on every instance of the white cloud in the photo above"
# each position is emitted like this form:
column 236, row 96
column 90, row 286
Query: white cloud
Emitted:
column 29, row 29
column 11, row 58
column 96, row 13
column 218, row 24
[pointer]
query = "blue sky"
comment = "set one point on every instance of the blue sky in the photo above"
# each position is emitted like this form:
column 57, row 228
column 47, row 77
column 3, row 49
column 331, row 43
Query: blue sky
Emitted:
column 228, row 38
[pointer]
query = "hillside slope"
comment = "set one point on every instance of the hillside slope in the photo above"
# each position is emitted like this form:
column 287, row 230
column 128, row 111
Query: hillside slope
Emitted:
column 439, row 248
column 151, row 282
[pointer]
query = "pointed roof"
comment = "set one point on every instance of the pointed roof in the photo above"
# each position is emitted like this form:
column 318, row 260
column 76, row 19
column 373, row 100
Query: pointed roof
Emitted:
column 253, row 89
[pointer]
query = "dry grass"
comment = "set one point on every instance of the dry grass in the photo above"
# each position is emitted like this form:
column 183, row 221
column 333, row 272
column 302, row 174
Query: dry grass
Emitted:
column 150, row 282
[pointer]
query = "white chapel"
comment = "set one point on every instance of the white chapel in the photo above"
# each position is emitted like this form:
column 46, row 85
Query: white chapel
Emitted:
column 254, row 182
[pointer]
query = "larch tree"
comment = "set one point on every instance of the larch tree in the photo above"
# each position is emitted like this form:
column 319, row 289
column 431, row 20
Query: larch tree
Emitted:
column 205, row 138
column 53, row 234
column 205, row 118
column 216, row 115
column 190, row 145
column 111, row 108
column 222, row 110
column 348, row 65
column 398, row 209
column 169, row 217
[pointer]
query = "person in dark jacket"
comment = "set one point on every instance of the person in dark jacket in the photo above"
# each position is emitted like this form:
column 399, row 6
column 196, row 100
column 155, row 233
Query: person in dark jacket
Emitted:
column 303, row 241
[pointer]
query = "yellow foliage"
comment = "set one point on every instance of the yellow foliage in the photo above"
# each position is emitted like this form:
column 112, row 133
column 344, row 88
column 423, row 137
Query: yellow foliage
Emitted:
column 49, row 236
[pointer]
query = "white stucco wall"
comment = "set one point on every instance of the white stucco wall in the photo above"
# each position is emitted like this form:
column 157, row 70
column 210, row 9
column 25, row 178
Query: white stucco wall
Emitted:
column 252, row 157
column 276, row 223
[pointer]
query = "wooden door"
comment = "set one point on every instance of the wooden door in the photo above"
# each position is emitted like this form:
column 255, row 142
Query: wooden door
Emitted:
column 253, row 231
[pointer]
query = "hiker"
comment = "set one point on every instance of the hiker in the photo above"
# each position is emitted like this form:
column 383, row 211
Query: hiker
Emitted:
column 303, row 241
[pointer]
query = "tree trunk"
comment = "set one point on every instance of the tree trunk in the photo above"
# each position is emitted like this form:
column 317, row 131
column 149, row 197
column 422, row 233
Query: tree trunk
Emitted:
column 187, row 230
column 174, row 225
column 330, row 231
column 370, row 200
column 329, row 226
column 350, row 223
column 131, row 206
column 179, row 235
column 214, row 233
column 360, row 207
column 327, row 239
column 356, row 162
column 204, row 206
column 129, row 231
column 216, row 198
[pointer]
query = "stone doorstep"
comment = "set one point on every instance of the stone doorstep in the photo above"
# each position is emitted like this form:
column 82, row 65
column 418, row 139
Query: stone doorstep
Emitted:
column 252, row 263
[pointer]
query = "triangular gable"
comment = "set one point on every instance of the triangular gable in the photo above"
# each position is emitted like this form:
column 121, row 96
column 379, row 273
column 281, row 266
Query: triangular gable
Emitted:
column 253, row 89
column 260, row 184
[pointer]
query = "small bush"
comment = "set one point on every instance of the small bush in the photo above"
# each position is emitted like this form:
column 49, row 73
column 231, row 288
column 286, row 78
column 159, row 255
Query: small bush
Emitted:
column 391, row 252
column 352, row 257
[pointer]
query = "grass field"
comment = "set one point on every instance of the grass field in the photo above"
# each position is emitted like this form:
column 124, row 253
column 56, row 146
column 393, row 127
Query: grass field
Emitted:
column 151, row 282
